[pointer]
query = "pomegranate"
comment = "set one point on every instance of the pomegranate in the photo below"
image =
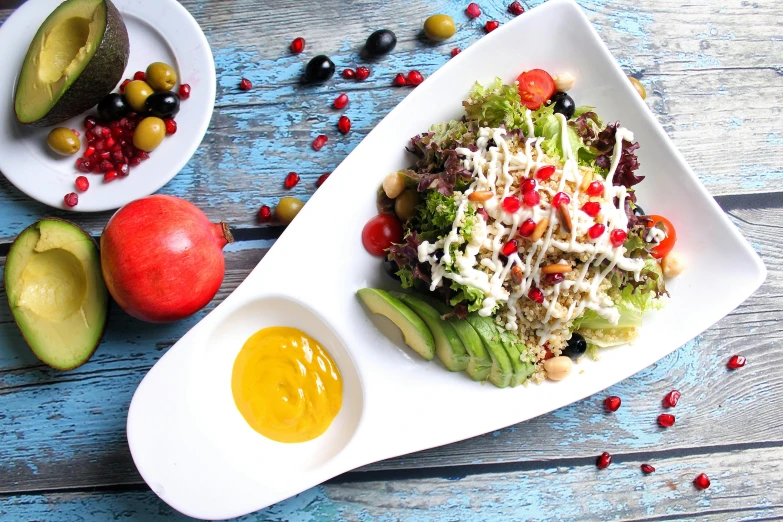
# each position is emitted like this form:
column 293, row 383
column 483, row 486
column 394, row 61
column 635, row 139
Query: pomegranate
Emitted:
column 536, row 295
column 527, row 227
column 604, row 460
column 341, row 101
column 71, row 199
column 531, row 198
column 596, row 230
column 561, row 198
column 509, row 248
column 344, row 124
column 671, row 399
column 612, row 403
column 455, row 51
column 184, row 91
column 591, row 208
column 321, row 179
column 245, row 84
column 647, row 469
column 298, row 45
column 528, row 185
column 595, row 188
column 399, row 80
column 473, row 10
column 491, row 25
column 545, row 172
column 701, row 481
column 162, row 259
column 349, row 74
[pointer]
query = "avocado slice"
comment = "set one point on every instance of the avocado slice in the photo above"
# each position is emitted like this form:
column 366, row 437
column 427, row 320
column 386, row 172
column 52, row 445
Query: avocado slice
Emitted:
column 78, row 55
column 56, row 292
column 448, row 346
column 502, row 370
column 415, row 332
column 515, row 348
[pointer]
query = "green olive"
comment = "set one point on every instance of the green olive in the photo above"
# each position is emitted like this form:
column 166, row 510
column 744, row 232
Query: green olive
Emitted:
column 638, row 86
column 439, row 27
column 64, row 141
column 161, row 76
column 405, row 204
column 136, row 93
column 288, row 208
column 149, row 133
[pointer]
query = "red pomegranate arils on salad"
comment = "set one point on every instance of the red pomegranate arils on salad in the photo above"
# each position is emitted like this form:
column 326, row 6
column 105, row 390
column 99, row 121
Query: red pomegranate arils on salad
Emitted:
column 604, row 460
column 596, row 230
column 511, row 204
column 671, row 399
column 536, row 295
column 527, row 227
column 473, row 10
column 531, row 198
column 545, row 172
column 736, row 362
column 617, row 237
column 265, row 213
column 612, row 403
column 561, row 198
column 341, row 101
column 595, row 188
column 647, row 469
column 591, row 208
column 528, row 185
column 298, row 45
column 554, row 279
column 509, row 248
column 320, row 141
column 291, row 180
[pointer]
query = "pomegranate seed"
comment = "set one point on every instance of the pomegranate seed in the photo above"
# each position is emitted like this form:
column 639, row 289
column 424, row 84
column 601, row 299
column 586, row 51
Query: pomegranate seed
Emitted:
column 617, row 237
column 536, row 295
column 106, row 132
column 89, row 122
column 117, row 157
column 647, row 469
column 554, row 279
column 85, row 166
column 527, row 227
column 511, row 204
column 96, row 168
column 455, row 51
column 319, row 142
column 140, row 75
column 71, row 199
column 344, row 124
column 76, row 132
column 362, row 73
column 109, row 141
column 265, row 213
column 143, row 155
column 349, row 74
column 415, row 78
column 591, row 208
column 560, row 199
column 473, row 10
column 736, row 362
column 298, row 45
column 245, row 84
column 399, row 81
column 509, row 248
column 104, row 155
column 123, row 85
column 701, row 481
column 596, row 188
column 604, row 460
column 545, row 172
column 612, row 403
column 89, row 151
column 291, row 180
column 116, row 130
column 341, row 101
column 321, row 179
column 671, row 398
column 528, row 185
column 123, row 170
column 110, row 175
column 82, row 183
column 171, row 126
column 516, row 9
column 106, row 165
column 483, row 213
column 491, row 25
column 184, row 91
column 135, row 161
column 596, row 231
column 666, row 420
column 531, row 198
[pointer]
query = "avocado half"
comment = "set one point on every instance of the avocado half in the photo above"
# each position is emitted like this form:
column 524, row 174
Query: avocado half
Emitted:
column 56, row 292
column 78, row 55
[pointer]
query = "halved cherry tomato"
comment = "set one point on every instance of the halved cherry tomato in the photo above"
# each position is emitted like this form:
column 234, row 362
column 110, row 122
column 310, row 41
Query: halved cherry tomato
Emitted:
column 380, row 232
column 665, row 246
column 535, row 88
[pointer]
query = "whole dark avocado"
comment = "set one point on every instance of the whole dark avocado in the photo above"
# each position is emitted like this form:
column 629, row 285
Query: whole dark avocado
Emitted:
column 77, row 56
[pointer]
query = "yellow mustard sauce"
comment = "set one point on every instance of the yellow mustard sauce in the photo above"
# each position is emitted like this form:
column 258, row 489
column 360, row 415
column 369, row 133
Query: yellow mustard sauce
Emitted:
column 286, row 385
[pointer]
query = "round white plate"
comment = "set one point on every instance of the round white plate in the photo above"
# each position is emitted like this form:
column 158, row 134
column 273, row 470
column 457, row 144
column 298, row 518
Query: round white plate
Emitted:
column 159, row 31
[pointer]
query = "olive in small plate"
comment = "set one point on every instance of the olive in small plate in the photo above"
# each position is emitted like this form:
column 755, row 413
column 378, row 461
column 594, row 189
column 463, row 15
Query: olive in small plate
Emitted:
column 161, row 76
column 113, row 107
column 63, row 141
column 163, row 104
column 149, row 134
column 136, row 94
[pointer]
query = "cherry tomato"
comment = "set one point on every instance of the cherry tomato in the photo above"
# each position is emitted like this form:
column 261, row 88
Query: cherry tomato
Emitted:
column 665, row 246
column 380, row 232
column 535, row 88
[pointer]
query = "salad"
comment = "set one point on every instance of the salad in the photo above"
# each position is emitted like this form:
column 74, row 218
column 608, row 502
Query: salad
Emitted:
column 523, row 216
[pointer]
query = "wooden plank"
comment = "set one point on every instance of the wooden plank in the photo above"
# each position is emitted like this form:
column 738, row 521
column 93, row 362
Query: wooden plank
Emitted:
column 67, row 429
column 744, row 487
column 713, row 75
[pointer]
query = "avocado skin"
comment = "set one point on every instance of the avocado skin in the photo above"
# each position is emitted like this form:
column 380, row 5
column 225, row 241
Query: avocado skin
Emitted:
column 100, row 77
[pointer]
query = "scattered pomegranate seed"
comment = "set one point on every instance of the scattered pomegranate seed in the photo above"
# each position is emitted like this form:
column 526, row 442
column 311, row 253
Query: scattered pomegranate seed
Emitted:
column 647, row 469
column 527, row 227
column 455, row 51
column 124, row 83
column 399, row 81
column 671, row 398
column 105, row 132
column 491, row 25
column 604, row 460
column 71, row 199
column 528, row 185
column 516, row 9
column 265, row 213
column 291, row 180
column 184, row 91
column 536, row 295
column 666, row 420
column 76, row 132
column 591, row 208
column 89, row 122
column 511, row 204
column 321, row 179
column 110, row 175
column 509, row 248
column 596, row 231
column 415, row 78
column 171, row 126
column 344, row 124
column 736, row 362
column 82, row 183
column 531, row 198
column 701, row 481
column 341, row 101
column 596, row 188
column 362, row 73
column 89, row 151
column 483, row 213
column 319, row 142
column 545, row 172
column 473, row 10
column 298, row 45
column 140, row 75
column 561, row 198
column 553, row 279
column 617, row 237
column 349, row 74
column 612, row 403
column 245, row 84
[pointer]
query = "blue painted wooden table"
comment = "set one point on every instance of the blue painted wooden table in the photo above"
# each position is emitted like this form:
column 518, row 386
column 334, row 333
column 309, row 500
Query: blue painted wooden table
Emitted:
column 714, row 74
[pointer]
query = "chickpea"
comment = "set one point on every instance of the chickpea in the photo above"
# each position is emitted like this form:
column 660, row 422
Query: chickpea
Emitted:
column 558, row 368
column 673, row 264
column 564, row 82
column 394, row 184
column 405, row 204
column 638, row 86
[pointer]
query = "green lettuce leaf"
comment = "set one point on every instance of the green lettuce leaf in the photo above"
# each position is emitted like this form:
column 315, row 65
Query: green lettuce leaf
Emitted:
column 467, row 295
column 495, row 104
column 548, row 126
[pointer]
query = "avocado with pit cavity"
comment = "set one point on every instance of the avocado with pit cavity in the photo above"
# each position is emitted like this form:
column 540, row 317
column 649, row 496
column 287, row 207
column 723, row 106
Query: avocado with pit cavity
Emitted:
column 77, row 56
column 56, row 292
column 502, row 370
column 415, row 332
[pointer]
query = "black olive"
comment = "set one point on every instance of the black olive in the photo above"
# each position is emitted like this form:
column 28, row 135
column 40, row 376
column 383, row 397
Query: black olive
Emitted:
column 564, row 104
column 380, row 42
column 319, row 69
column 391, row 268
column 639, row 211
column 113, row 107
column 163, row 104
column 576, row 346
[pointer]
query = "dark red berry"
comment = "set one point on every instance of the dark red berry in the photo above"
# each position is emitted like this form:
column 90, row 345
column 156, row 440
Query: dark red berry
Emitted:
column 604, row 460
column 123, row 170
column 341, row 101
column 596, row 231
column 117, row 157
column 596, row 188
column 617, row 237
column 89, row 122
column 509, row 248
column 671, row 398
column 123, row 85
column 110, row 175
column 491, row 25
column 612, row 403
column 554, row 279
column 545, row 172
column 516, row 9
column 319, row 142
column 265, row 213
column 528, row 185
column 291, row 180
column 701, row 481
column 84, row 166
column 455, row 51
column 362, row 73
column 666, row 420
column 82, row 183
column 140, row 75
column 511, row 204
column 104, row 155
column 298, row 45
column 561, row 198
column 71, row 199
column 321, row 179
column 245, row 84
column 109, row 142
column 184, row 91
column 89, row 151
column 591, row 208
column 399, row 80
column 531, row 198
column 344, row 124
column 536, row 295
column 527, row 227
column 106, row 165
column 647, row 469
column 473, row 10
column 171, row 126
column 736, row 362
column 415, row 78
column 349, row 74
